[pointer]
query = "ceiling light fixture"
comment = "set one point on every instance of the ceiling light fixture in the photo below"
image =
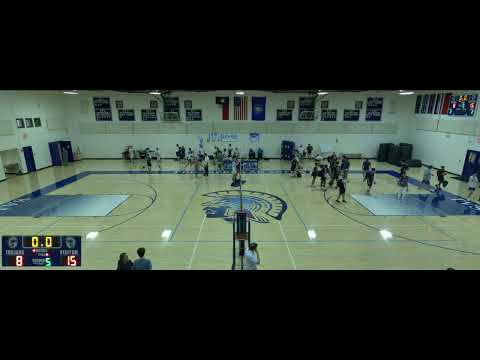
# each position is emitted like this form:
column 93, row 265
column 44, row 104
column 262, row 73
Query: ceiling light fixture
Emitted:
column 156, row 92
column 71, row 92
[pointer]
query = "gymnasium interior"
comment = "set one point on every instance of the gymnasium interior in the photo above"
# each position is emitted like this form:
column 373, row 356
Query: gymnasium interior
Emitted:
column 89, row 176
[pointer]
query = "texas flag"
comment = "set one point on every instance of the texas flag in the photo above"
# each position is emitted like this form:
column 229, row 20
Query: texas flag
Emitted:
column 225, row 103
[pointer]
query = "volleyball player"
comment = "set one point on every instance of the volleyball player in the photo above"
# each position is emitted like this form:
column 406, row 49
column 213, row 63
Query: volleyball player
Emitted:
column 345, row 167
column 314, row 173
column 370, row 176
column 220, row 161
column 427, row 175
column 365, row 167
column 196, row 164
column 441, row 179
column 149, row 161
column 309, row 151
column 402, row 186
column 323, row 177
column 294, row 165
column 342, row 189
column 205, row 165
column 472, row 184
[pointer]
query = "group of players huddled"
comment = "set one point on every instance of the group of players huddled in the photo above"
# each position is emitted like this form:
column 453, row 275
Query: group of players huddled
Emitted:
column 336, row 171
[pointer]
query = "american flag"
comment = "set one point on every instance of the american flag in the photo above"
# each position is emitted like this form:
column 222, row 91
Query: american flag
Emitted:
column 240, row 104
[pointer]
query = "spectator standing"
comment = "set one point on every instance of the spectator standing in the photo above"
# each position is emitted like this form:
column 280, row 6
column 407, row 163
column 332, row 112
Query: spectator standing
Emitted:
column 141, row 263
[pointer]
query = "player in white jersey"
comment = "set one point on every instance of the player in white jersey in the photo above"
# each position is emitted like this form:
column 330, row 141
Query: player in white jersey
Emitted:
column 472, row 184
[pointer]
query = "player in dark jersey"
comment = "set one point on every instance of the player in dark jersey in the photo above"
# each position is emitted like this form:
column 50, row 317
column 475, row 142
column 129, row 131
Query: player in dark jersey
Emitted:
column 441, row 179
column 370, row 176
column 342, row 188
column 365, row 167
column 293, row 168
column 314, row 173
column 334, row 173
column 345, row 168
column 323, row 177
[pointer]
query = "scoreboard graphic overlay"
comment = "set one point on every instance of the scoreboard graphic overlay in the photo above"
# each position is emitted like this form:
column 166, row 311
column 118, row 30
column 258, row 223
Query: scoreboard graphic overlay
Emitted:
column 41, row 250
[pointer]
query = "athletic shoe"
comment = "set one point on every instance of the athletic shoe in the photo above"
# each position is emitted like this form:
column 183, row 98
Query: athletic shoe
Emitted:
column 344, row 201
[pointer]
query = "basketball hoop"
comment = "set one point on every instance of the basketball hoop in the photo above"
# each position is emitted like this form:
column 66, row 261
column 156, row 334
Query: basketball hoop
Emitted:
column 24, row 136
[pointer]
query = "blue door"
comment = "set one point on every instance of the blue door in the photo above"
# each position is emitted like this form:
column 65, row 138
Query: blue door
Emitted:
column 55, row 153
column 472, row 164
column 29, row 159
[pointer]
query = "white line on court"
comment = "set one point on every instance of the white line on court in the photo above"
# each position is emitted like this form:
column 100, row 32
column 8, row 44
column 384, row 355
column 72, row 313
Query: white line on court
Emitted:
column 196, row 243
column 286, row 244
column 281, row 229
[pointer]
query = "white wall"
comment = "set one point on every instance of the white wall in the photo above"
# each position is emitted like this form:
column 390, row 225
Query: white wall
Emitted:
column 108, row 144
column 2, row 172
column 444, row 140
column 49, row 106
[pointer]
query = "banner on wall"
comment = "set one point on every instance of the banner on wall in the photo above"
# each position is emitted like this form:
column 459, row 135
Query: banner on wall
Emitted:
column 259, row 105
column 223, row 137
column 126, row 115
column 254, row 137
column 329, row 115
column 431, row 102
column 374, row 109
column 193, row 114
column 284, row 115
column 438, row 103
column 423, row 109
column 103, row 110
column 306, row 108
column 418, row 103
column 149, row 115
column 171, row 104
column 351, row 115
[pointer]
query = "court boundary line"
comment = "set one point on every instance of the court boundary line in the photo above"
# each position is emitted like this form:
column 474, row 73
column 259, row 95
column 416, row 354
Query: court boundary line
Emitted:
column 196, row 243
column 184, row 212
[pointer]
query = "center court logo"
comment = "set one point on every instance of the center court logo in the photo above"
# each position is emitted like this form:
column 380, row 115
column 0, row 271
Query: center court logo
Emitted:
column 261, row 207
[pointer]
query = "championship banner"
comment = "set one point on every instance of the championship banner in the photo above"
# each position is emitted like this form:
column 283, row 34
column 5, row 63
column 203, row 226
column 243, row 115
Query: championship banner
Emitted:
column 374, row 109
column 126, row 115
column 149, row 115
column 418, row 103
column 284, row 115
column 103, row 110
column 306, row 108
column 258, row 108
column 423, row 109
column 254, row 137
column 431, row 103
column 329, row 115
column 446, row 103
column 171, row 104
column 438, row 103
column 351, row 115
column 225, row 103
column 193, row 115
column 223, row 137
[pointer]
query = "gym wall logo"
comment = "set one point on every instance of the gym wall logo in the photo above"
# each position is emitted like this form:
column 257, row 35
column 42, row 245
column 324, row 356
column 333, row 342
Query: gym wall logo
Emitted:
column 261, row 207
